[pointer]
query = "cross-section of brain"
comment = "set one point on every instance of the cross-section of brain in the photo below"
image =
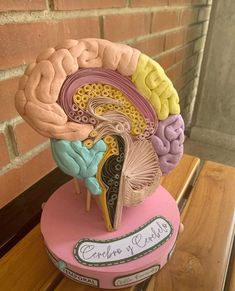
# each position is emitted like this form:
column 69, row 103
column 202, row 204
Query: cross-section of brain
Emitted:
column 112, row 115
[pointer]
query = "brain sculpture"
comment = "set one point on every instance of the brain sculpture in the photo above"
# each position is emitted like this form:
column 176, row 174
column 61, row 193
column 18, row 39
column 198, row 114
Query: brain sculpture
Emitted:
column 112, row 116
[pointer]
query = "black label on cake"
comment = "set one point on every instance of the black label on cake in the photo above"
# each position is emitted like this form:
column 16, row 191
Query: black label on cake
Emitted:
column 129, row 247
column 136, row 277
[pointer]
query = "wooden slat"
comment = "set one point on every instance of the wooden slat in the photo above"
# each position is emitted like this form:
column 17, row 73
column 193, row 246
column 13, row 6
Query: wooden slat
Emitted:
column 69, row 285
column 27, row 266
column 202, row 252
column 179, row 179
column 230, row 279
column 176, row 183
column 231, row 286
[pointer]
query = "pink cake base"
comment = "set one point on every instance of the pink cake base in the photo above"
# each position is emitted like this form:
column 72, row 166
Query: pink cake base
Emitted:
column 141, row 246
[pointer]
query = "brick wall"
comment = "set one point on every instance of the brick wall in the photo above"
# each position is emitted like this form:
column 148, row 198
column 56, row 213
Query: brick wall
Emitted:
column 171, row 31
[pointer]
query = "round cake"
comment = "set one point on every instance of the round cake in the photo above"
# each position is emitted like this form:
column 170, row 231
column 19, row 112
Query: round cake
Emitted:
column 113, row 119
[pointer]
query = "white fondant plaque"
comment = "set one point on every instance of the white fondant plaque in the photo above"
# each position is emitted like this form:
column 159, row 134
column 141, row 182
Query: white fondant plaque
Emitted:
column 129, row 247
column 133, row 278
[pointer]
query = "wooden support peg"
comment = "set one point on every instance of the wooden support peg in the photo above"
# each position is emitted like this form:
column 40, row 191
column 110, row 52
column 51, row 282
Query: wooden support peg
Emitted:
column 88, row 200
column 76, row 185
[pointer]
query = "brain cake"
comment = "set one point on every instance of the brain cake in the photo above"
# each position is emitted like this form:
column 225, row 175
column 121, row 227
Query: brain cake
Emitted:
column 112, row 116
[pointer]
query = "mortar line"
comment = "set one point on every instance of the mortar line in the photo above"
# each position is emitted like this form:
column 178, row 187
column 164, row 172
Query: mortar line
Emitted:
column 10, row 73
column 37, row 16
column 22, row 159
column 151, row 22
column 50, row 5
column 12, row 143
column 101, row 24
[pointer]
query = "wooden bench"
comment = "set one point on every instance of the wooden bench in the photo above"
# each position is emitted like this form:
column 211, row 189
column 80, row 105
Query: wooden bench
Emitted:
column 201, row 257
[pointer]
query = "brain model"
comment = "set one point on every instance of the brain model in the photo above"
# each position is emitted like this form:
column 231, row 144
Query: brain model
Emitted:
column 112, row 115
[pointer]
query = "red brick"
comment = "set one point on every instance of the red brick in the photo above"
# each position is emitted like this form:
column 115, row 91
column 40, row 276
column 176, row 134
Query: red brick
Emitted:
column 23, row 42
column 199, row 44
column 17, row 180
column 179, row 2
column 4, row 155
column 90, row 4
column 122, row 27
column 167, row 60
column 163, row 20
column 145, row 3
column 174, row 72
column 183, row 80
column 188, row 16
column 182, row 103
column 184, row 52
column 16, row 5
column 151, row 46
column 194, row 32
column 199, row 2
column 189, row 63
column 178, row 84
column 204, row 14
column 26, row 138
column 174, row 39
column 8, row 89
column 186, row 92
